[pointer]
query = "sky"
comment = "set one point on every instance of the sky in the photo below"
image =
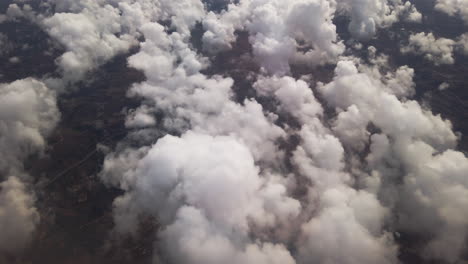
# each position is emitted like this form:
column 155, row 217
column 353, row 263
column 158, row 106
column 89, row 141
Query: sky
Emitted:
column 261, row 131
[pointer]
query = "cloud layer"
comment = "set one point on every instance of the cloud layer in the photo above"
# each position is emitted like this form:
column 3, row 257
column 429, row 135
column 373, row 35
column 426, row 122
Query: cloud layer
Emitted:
column 299, row 171
column 223, row 186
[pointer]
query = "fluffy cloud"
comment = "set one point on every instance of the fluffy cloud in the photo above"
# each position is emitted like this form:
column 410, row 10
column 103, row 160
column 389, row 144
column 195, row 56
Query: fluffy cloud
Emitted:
column 435, row 196
column 15, row 12
column 216, row 154
column 89, row 38
column 237, row 182
column 179, row 171
column 186, row 175
column 93, row 32
column 453, row 7
column 18, row 216
column 276, row 29
column 369, row 15
column 404, row 119
column 180, row 91
column 437, row 50
column 417, row 146
column 28, row 113
column 294, row 97
column 192, row 239
column 205, row 190
column 348, row 221
column 301, row 31
column 320, row 159
column 462, row 44
column 338, row 234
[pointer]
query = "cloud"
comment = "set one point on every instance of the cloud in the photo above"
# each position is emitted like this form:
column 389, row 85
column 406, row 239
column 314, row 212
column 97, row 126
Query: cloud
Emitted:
column 443, row 86
column 93, row 32
column 320, row 159
column 276, row 28
column 191, row 239
column 180, row 91
column 227, row 139
column 348, row 227
column 337, row 236
column 28, row 113
column 89, row 38
column 237, row 182
column 294, row 96
column 206, row 191
column 437, row 50
column 417, row 146
column 462, row 44
column 369, row 15
column 300, row 32
column 453, row 7
column 18, row 216
column 15, row 12
column 435, row 194
column 223, row 145
column 406, row 119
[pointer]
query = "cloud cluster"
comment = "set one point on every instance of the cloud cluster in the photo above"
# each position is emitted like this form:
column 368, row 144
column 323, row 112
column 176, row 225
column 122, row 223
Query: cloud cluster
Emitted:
column 280, row 31
column 418, row 146
column 462, row 44
column 225, row 188
column 211, row 194
column 212, row 198
column 299, row 172
column 28, row 113
column 300, row 31
column 207, row 192
column 453, row 7
column 89, row 38
column 16, row 12
column 18, row 216
column 319, row 158
column 437, row 50
column 369, row 15
column 93, row 32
